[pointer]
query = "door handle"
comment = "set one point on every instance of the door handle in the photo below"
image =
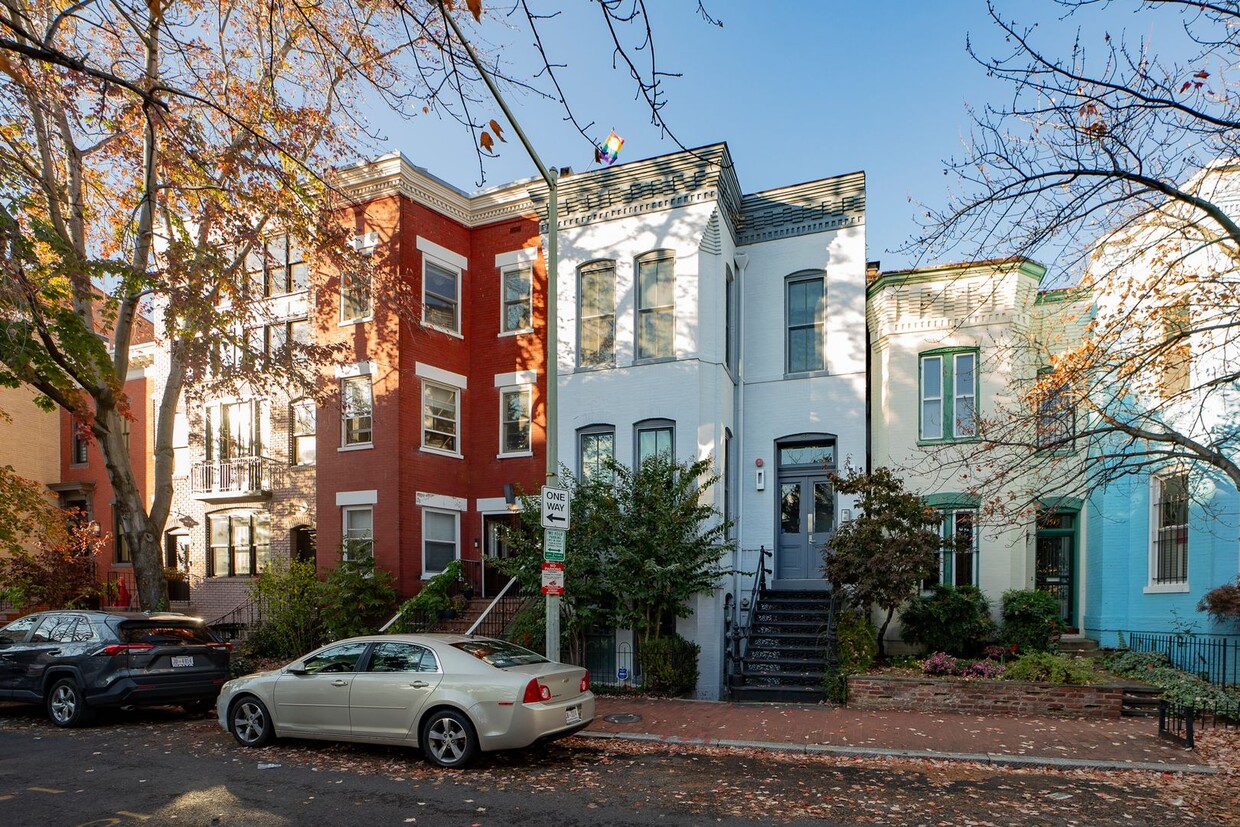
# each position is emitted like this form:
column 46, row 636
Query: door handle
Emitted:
column 340, row 682
column 51, row 653
column 419, row 684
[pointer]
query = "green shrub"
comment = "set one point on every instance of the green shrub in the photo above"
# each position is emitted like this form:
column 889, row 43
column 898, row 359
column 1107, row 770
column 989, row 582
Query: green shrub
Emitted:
column 290, row 598
column 669, row 665
column 421, row 612
column 953, row 620
column 1030, row 620
column 1156, row 669
column 1044, row 667
column 529, row 627
column 855, row 647
column 358, row 598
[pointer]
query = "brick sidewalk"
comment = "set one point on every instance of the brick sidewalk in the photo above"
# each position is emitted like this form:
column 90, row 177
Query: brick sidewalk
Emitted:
column 799, row 726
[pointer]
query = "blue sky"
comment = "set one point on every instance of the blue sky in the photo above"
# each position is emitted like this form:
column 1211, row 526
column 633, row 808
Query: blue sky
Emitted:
column 799, row 89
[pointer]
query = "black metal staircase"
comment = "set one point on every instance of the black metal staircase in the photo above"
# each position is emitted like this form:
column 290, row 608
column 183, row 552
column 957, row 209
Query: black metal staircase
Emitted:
column 785, row 651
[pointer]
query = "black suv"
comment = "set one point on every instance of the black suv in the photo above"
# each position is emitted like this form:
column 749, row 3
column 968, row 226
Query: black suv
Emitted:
column 74, row 660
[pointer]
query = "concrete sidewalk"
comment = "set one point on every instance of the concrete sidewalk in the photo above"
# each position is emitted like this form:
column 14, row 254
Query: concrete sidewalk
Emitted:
column 1115, row 743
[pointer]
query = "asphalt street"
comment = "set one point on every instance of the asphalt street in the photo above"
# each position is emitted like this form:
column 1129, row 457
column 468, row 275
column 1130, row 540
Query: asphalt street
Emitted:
column 156, row 767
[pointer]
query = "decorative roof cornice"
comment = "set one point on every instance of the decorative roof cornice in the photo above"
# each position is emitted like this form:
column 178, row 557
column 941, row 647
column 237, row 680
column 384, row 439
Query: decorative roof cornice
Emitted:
column 802, row 209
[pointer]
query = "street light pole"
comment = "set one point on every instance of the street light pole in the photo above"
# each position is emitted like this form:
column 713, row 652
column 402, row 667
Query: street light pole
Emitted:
column 551, row 176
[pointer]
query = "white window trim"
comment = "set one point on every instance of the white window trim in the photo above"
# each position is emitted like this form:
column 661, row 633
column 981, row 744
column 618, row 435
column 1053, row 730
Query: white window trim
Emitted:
column 528, row 390
column 443, row 377
column 346, row 498
column 364, row 243
column 448, row 260
column 526, row 255
column 518, row 377
column 456, row 519
column 344, row 524
column 1151, row 586
column 503, row 304
column 428, row 383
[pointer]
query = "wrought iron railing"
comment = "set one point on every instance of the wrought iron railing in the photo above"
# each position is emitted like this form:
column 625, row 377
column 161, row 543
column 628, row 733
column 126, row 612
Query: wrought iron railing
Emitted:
column 1213, row 658
column 738, row 617
column 237, row 475
column 238, row 623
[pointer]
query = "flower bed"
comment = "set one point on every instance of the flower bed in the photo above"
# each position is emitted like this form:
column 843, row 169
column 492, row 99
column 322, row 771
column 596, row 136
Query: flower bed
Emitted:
column 984, row 697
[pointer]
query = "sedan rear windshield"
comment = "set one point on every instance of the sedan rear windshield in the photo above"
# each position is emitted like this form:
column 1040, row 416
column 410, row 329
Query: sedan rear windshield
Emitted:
column 166, row 634
column 500, row 653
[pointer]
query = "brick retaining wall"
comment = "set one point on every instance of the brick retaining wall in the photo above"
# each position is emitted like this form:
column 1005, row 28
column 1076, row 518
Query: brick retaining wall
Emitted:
column 984, row 697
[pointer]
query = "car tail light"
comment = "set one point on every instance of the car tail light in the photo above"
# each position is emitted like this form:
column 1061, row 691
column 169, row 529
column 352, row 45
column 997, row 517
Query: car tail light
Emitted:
column 124, row 648
column 535, row 692
column 584, row 686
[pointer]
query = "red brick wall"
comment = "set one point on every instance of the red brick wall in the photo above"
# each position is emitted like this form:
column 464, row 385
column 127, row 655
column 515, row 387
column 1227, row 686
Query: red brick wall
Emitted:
column 976, row 697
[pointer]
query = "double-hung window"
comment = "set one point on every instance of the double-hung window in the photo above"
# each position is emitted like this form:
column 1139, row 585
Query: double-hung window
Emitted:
column 596, row 314
column 440, row 418
column 439, row 539
column 1056, row 417
column 356, row 411
column 948, row 395
column 1169, row 555
column 514, row 420
column 79, row 455
column 655, row 437
column 957, row 561
column 807, row 323
column 233, row 430
column 656, row 305
column 302, row 432
column 596, row 445
column 518, row 311
column 240, row 544
column 440, row 296
column 359, row 526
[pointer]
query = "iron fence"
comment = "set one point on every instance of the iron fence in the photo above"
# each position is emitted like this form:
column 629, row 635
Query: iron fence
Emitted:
column 611, row 665
column 1213, row 658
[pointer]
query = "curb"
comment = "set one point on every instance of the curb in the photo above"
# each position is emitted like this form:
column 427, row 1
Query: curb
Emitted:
column 992, row 758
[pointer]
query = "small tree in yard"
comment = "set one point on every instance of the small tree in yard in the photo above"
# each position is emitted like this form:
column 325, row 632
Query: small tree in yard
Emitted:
column 880, row 556
column 643, row 545
column 60, row 573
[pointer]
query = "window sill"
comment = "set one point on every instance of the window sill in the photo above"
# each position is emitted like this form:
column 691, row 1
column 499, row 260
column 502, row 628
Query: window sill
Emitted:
column 454, row 334
column 1166, row 588
column 366, row 446
column 655, row 360
column 522, row 332
column 515, row 455
column 952, row 440
column 448, row 454
column 592, row 368
column 350, row 322
column 807, row 374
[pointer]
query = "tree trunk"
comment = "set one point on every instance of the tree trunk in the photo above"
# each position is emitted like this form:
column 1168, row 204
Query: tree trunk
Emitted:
column 881, row 651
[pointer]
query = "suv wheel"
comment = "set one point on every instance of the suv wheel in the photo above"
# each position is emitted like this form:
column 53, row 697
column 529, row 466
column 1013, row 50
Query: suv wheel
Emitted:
column 65, row 704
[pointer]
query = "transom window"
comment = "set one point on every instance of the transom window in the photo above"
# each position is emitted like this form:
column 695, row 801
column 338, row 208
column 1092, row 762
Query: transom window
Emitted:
column 440, row 296
column 518, row 308
column 440, row 418
column 596, row 314
column 356, row 411
column 949, row 395
column 1169, row 559
column 514, row 420
column 240, row 544
column 656, row 305
column 807, row 315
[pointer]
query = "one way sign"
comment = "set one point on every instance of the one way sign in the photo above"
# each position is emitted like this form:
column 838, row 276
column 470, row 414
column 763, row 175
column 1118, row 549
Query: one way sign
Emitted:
column 555, row 512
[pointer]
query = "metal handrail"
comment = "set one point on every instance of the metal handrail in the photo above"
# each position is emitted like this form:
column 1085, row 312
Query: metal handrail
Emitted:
column 491, row 606
column 737, row 632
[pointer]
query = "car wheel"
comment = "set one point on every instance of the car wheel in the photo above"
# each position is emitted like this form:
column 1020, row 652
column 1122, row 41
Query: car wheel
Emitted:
column 448, row 739
column 250, row 723
column 65, row 704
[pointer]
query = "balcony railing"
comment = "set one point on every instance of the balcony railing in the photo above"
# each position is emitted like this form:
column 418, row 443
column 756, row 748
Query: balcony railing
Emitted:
column 233, row 479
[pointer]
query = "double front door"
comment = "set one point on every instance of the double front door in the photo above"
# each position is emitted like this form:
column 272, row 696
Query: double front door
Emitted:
column 806, row 521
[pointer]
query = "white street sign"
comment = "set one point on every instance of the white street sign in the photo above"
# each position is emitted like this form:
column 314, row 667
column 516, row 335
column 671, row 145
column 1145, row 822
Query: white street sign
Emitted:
column 555, row 511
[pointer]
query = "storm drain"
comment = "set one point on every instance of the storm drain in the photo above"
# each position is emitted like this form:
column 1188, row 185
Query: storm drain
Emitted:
column 622, row 718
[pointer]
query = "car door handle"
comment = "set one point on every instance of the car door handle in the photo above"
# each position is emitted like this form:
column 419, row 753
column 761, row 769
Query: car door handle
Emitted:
column 419, row 684
column 339, row 682
column 51, row 653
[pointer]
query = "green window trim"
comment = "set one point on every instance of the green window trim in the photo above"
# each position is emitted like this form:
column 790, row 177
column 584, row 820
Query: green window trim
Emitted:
column 944, row 390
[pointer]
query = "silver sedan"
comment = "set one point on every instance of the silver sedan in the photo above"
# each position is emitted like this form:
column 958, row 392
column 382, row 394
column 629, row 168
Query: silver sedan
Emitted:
column 454, row 695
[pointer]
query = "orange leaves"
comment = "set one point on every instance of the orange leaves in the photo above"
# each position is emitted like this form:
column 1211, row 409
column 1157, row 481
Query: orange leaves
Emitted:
column 486, row 141
column 474, row 6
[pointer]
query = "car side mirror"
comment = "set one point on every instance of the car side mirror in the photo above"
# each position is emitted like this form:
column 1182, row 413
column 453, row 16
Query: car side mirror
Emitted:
column 295, row 669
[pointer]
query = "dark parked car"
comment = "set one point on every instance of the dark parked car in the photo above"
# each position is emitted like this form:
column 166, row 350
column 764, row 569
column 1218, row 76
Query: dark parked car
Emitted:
column 74, row 661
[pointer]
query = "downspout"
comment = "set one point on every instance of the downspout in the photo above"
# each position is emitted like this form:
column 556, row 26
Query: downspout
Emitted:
column 738, row 417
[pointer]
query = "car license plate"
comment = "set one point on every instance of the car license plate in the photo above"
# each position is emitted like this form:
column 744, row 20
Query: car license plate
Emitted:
column 182, row 660
column 572, row 715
